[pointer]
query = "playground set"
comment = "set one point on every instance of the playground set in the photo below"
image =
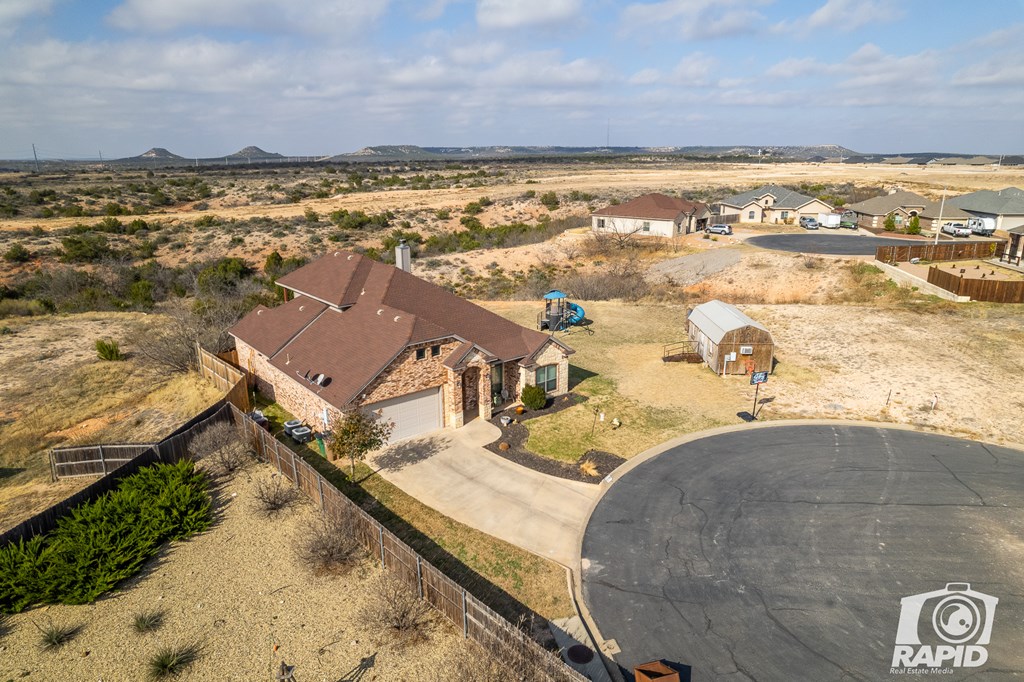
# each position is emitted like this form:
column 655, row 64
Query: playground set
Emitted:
column 559, row 313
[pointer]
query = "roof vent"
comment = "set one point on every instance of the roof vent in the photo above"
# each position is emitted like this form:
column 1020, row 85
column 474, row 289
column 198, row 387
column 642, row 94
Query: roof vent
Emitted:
column 362, row 292
column 336, row 253
column 301, row 308
column 259, row 312
column 397, row 317
column 380, row 311
column 349, row 257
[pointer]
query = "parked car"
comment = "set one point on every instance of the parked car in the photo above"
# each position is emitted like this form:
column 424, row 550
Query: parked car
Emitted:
column 808, row 223
column 848, row 224
column 720, row 229
column 957, row 229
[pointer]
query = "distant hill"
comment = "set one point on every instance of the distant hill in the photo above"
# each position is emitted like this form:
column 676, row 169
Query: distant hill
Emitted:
column 252, row 152
column 158, row 153
column 414, row 152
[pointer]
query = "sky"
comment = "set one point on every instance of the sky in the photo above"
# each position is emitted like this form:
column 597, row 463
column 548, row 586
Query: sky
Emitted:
column 81, row 78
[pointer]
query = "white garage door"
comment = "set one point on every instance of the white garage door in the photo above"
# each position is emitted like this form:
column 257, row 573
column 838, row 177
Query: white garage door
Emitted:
column 412, row 414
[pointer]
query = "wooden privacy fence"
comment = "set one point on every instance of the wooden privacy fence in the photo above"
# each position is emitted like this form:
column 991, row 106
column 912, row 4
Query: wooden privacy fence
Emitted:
column 225, row 377
column 993, row 290
column 940, row 252
column 90, row 460
column 476, row 620
column 169, row 450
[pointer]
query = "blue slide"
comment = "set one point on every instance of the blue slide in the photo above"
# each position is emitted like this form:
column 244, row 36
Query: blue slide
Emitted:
column 576, row 313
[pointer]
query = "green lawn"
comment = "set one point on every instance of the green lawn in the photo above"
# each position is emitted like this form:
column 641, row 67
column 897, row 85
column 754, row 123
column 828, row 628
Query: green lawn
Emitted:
column 510, row 580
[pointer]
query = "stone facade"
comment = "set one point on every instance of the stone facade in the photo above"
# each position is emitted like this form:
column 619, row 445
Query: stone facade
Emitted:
column 552, row 354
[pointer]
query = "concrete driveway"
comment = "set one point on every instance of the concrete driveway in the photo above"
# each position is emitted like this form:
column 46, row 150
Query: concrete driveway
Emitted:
column 451, row 472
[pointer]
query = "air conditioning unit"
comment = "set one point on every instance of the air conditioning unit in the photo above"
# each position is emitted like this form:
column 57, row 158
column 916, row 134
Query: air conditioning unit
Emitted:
column 746, row 350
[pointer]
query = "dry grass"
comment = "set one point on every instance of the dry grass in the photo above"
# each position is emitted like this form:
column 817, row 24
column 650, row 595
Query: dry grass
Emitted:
column 55, row 391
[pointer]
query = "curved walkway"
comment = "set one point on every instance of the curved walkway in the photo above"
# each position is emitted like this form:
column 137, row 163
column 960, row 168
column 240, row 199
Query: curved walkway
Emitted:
column 755, row 553
column 452, row 472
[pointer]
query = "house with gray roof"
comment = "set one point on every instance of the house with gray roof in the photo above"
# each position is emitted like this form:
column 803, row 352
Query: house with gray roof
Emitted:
column 1005, row 206
column 902, row 206
column 770, row 204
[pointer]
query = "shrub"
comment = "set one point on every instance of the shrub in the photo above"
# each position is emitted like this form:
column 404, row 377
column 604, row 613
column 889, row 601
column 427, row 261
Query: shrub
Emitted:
column 394, row 606
column 914, row 226
column 147, row 621
column 17, row 253
column 331, row 547
column 274, row 495
column 550, row 200
column 56, row 636
column 223, row 446
column 105, row 541
column 534, row 397
column 890, row 223
column 170, row 661
column 85, row 248
column 473, row 208
column 107, row 349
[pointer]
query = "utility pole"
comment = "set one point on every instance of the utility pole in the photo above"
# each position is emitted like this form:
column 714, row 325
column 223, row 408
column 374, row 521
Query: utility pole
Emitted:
column 608, row 135
column 101, row 156
column 942, row 206
column 35, row 156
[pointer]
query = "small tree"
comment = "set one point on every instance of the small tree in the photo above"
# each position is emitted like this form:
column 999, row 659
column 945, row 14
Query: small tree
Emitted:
column 356, row 434
column 550, row 200
column 18, row 253
column 890, row 223
column 914, row 226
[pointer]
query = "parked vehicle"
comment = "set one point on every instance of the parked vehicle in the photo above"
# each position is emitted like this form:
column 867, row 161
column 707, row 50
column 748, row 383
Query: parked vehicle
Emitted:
column 808, row 223
column 957, row 229
column 848, row 220
column 720, row 229
column 982, row 226
column 829, row 220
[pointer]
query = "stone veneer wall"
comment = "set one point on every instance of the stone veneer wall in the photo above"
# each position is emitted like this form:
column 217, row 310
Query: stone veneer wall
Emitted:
column 407, row 375
column 551, row 355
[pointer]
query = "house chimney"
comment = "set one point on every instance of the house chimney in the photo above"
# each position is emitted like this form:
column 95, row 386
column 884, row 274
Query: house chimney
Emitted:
column 403, row 256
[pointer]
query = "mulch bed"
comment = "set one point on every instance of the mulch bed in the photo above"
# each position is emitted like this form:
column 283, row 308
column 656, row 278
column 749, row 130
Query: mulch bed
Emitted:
column 517, row 433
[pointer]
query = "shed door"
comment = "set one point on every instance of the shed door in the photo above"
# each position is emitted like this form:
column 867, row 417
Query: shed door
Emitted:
column 412, row 414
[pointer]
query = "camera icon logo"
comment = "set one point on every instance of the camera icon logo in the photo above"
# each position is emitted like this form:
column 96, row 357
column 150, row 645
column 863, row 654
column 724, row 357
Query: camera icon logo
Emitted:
column 949, row 626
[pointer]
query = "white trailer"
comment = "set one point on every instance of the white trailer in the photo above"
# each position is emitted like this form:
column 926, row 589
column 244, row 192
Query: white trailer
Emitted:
column 829, row 220
column 983, row 226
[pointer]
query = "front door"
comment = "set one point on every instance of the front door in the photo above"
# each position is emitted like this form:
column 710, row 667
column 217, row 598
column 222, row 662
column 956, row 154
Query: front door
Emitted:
column 471, row 393
column 497, row 384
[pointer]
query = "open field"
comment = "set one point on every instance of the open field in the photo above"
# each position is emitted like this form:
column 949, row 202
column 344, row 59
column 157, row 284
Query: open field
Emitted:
column 239, row 591
column 55, row 391
column 834, row 361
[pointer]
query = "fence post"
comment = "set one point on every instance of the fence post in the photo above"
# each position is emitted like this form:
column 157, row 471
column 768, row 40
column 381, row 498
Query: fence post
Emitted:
column 320, row 487
column 419, row 575
column 295, row 470
column 465, row 616
column 380, row 533
column 103, row 460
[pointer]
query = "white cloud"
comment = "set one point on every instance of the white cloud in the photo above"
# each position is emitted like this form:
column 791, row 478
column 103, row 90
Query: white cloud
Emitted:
column 508, row 14
column 844, row 15
column 645, row 77
column 693, row 19
column 322, row 17
column 693, row 70
column 543, row 70
column 1005, row 69
column 13, row 12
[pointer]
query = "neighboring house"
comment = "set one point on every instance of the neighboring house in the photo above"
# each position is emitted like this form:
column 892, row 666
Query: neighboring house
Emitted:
column 1005, row 206
column 379, row 338
column 652, row 214
column 902, row 206
column 964, row 161
column 771, row 204
column 729, row 341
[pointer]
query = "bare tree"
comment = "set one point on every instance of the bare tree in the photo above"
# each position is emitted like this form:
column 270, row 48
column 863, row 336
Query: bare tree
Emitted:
column 223, row 446
column 394, row 606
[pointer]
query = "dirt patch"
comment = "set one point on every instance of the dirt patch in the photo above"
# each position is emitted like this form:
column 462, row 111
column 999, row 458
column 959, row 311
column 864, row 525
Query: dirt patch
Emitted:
column 238, row 590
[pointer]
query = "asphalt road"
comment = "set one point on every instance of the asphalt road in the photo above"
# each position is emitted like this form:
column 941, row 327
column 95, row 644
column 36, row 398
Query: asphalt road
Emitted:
column 829, row 244
column 783, row 553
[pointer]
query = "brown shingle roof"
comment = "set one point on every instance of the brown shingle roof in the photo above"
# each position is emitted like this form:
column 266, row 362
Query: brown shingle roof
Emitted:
column 654, row 206
column 385, row 310
column 268, row 329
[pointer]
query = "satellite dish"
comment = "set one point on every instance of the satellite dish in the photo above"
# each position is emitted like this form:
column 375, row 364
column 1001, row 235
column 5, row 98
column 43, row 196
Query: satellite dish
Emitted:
column 319, row 380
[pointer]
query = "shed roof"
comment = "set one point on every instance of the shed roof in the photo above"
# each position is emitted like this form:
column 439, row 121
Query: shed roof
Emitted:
column 715, row 318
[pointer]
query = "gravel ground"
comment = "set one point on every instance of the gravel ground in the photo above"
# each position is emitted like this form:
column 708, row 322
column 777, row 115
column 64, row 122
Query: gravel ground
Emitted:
column 238, row 590
column 691, row 269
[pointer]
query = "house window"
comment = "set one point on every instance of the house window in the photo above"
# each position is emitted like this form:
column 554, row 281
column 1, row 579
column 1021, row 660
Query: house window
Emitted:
column 435, row 351
column 600, row 223
column 750, row 216
column 785, row 214
column 547, row 377
column 898, row 218
column 646, row 226
column 421, row 353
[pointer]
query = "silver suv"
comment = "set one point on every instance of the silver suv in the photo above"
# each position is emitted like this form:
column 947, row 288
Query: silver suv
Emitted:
column 720, row 229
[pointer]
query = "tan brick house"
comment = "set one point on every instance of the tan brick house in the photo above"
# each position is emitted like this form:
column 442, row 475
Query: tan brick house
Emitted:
column 355, row 332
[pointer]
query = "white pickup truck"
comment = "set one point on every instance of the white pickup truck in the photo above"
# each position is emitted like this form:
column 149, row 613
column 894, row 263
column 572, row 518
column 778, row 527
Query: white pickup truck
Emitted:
column 957, row 229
